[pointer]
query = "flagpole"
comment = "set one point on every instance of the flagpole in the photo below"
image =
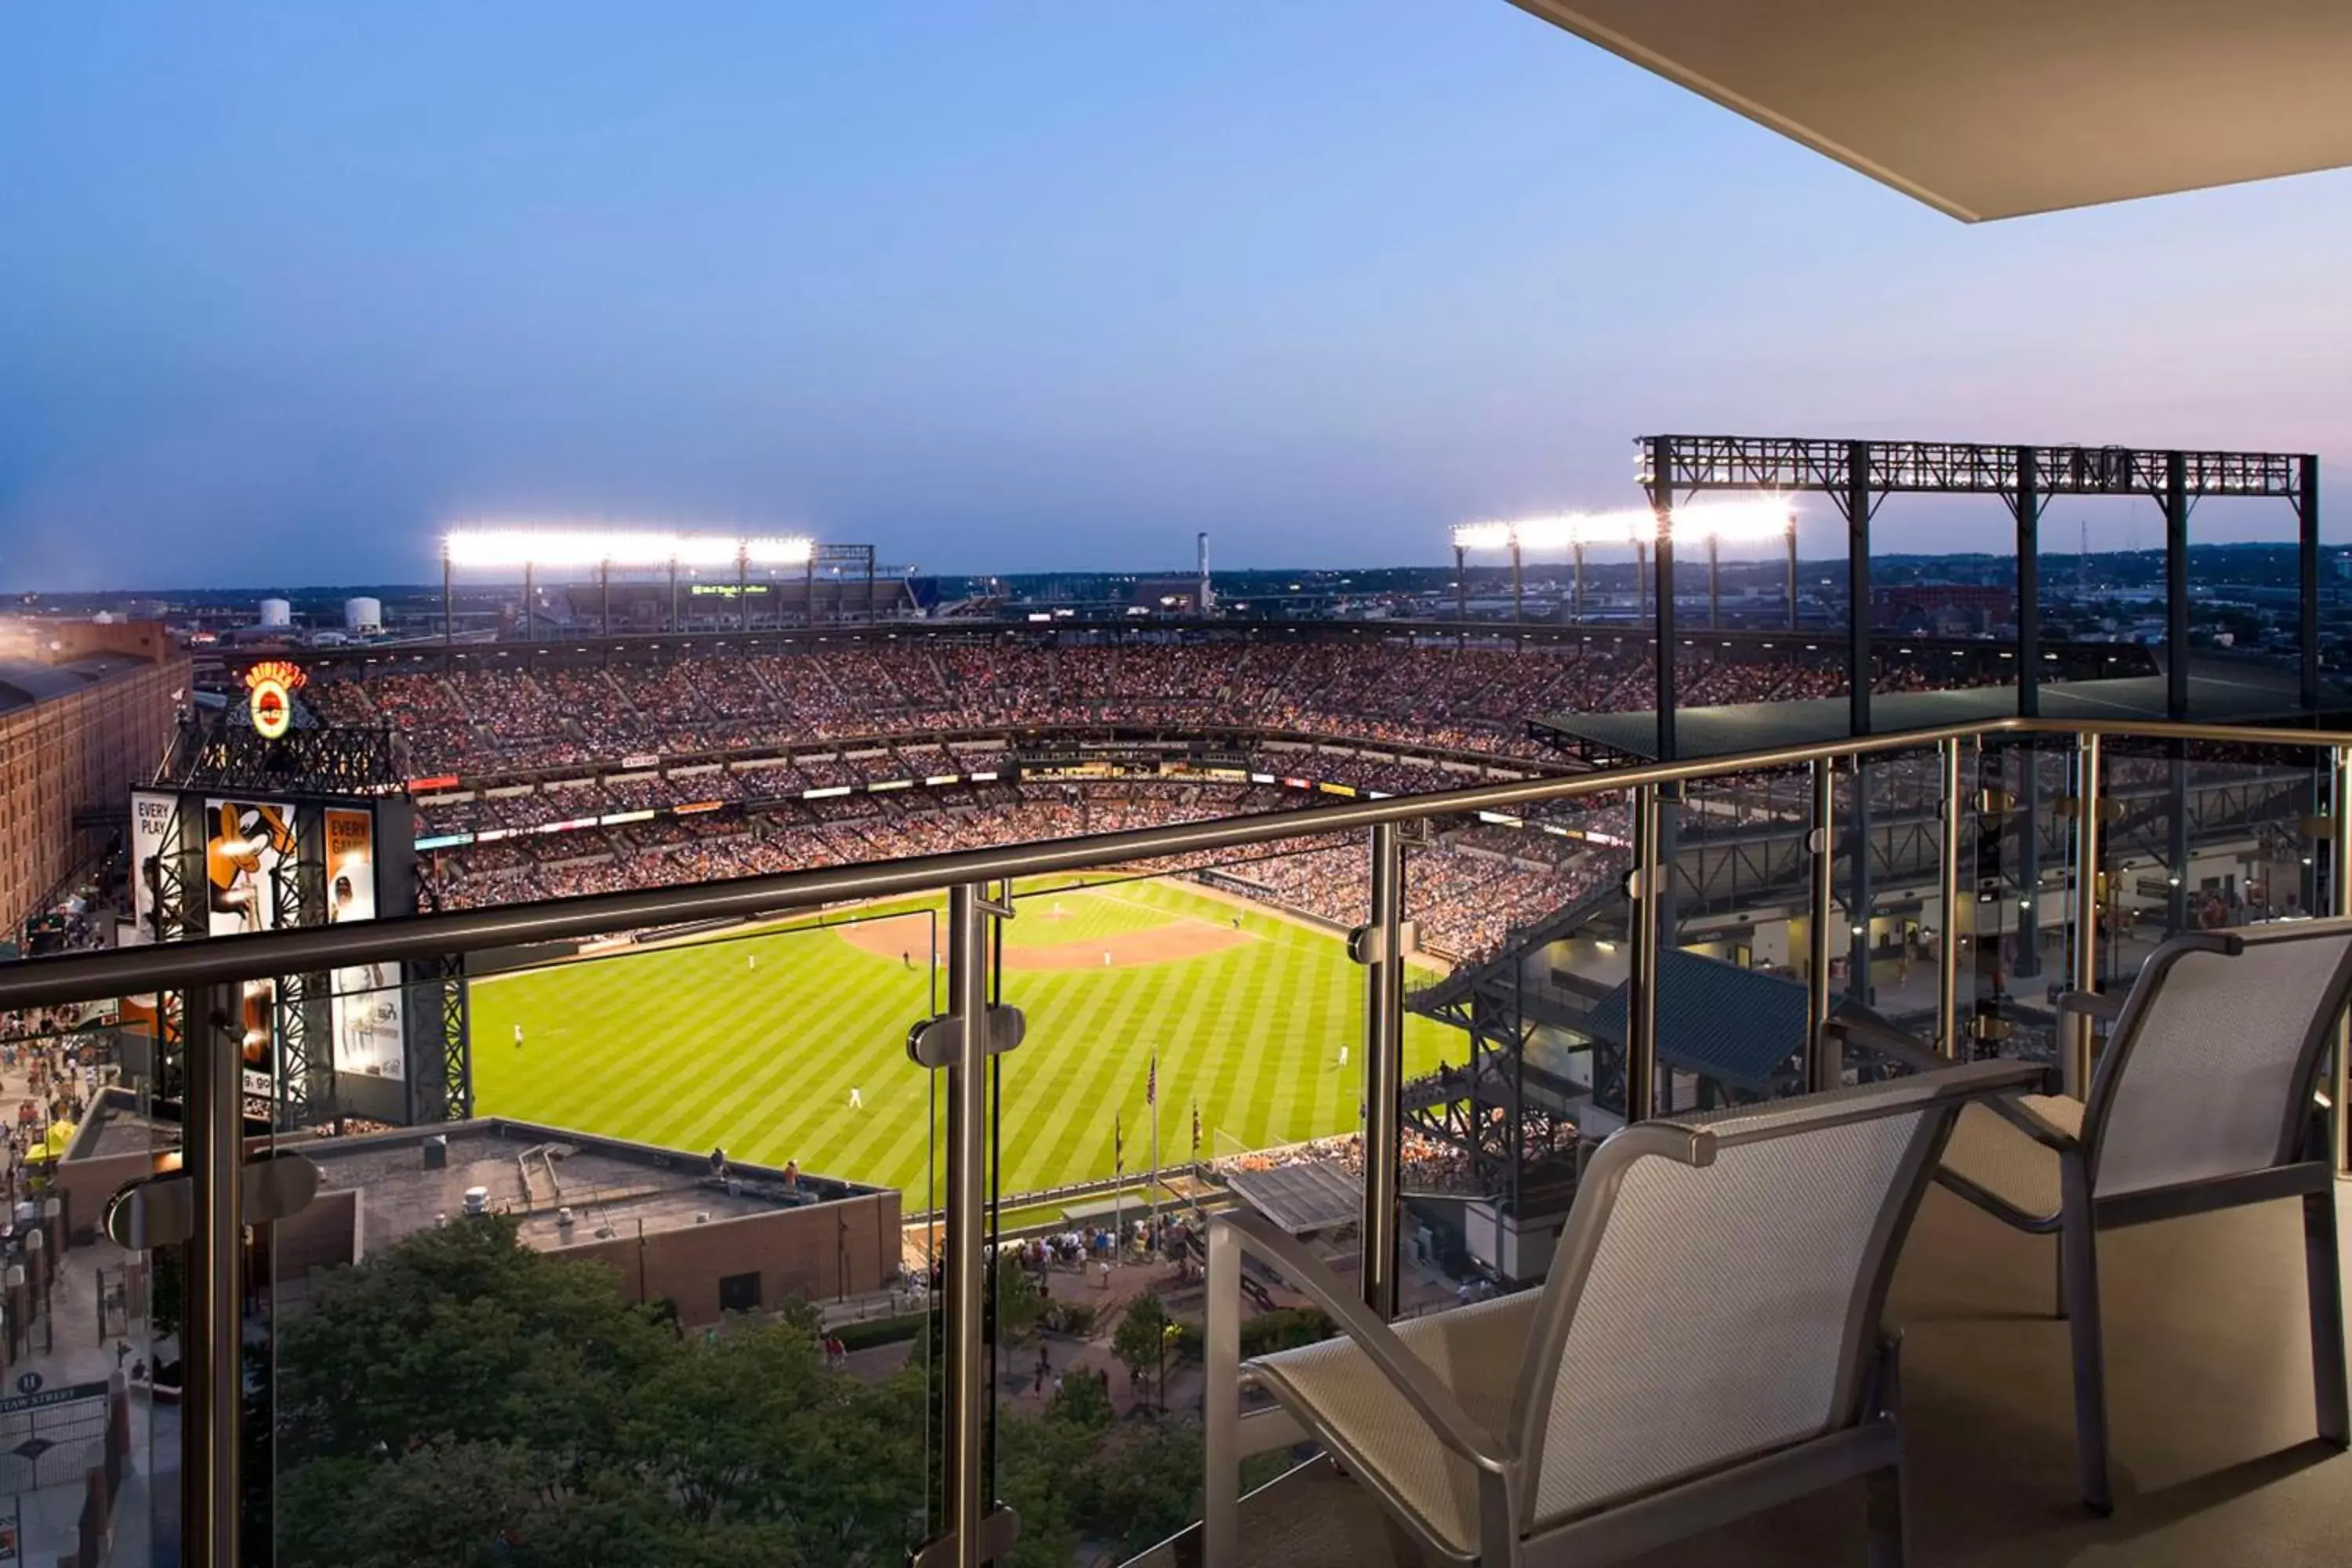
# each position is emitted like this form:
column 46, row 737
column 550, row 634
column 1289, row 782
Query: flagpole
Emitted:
column 1119, row 1190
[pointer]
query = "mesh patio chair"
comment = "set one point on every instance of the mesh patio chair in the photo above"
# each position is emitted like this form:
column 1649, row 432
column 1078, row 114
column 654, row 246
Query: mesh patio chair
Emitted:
column 1708, row 1343
column 2202, row 1100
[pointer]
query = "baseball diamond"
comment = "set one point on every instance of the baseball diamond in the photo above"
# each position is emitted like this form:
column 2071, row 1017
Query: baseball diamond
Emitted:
column 755, row 1042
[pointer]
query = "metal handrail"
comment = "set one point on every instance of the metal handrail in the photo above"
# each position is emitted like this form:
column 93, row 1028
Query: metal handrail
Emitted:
column 975, row 1527
column 140, row 971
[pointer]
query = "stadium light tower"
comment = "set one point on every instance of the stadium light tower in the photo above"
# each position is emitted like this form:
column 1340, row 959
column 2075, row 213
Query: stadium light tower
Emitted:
column 1735, row 518
column 638, row 549
column 1469, row 536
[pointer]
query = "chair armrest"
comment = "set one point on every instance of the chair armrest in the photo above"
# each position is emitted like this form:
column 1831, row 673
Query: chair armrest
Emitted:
column 2033, row 1126
column 2092, row 1003
column 1407, row 1373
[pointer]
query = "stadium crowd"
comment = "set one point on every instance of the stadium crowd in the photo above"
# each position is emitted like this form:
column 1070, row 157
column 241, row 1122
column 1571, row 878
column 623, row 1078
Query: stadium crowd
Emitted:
column 1427, row 694
column 1466, row 900
column 635, row 736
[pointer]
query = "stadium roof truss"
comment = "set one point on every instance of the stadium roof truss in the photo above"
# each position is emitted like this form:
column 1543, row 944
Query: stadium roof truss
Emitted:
column 1858, row 475
column 1993, row 108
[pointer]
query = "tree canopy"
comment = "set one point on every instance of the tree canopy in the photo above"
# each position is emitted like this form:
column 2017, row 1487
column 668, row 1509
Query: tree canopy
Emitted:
column 461, row 1400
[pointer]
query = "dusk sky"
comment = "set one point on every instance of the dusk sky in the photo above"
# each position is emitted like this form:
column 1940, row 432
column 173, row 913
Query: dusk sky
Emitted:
column 287, row 288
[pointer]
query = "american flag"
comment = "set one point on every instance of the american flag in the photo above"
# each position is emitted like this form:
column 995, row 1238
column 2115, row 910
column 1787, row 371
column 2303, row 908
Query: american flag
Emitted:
column 1151, row 1082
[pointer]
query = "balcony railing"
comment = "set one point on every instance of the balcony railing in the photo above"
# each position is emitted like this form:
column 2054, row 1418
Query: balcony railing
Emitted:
column 1954, row 880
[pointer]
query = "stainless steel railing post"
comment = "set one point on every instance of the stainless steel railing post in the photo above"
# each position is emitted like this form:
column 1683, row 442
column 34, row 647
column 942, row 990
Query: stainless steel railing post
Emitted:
column 2085, row 975
column 212, row 1346
column 1947, row 893
column 1384, row 1070
column 1823, row 842
column 2339, row 1082
column 963, row 1454
column 1641, row 993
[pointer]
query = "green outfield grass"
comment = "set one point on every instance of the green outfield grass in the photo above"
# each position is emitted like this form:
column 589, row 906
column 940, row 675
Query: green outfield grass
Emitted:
column 755, row 1042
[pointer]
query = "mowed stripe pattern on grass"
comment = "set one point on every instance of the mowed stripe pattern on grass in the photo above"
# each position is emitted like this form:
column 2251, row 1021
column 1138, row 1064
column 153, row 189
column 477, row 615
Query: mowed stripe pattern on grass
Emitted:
column 754, row 1043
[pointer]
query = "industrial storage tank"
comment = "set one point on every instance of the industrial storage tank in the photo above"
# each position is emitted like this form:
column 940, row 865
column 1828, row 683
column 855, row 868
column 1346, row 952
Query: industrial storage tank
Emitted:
column 363, row 617
column 277, row 614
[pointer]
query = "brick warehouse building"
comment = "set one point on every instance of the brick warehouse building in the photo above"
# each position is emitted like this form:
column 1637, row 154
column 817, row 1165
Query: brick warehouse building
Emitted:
column 85, row 709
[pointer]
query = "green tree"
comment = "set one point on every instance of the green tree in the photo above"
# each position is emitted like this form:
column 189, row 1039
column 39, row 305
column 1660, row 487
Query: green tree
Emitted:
column 1083, row 1401
column 461, row 1401
column 461, row 1332
column 1020, row 1301
column 1142, row 1484
column 1138, row 1342
column 460, row 1398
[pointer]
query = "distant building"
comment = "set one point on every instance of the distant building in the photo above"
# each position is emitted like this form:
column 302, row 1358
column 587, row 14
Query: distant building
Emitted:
column 1943, row 609
column 670, row 1225
column 1165, row 596
column 85, row 712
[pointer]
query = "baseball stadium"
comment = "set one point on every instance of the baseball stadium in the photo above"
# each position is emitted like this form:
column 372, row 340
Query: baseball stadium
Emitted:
column 1180, row 1012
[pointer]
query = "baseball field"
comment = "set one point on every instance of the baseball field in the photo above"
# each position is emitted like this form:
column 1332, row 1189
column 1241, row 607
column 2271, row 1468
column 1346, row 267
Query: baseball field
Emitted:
column 790, row 1044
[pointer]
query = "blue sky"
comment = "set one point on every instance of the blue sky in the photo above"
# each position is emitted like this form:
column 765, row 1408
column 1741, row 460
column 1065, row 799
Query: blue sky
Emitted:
column 285, row 289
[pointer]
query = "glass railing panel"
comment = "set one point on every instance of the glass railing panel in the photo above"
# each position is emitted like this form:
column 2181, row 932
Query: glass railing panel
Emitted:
column 1889, row 893
column 2203, row 837
column 2017, row 884
column 1521, row 918
column 667, row 1281
column 1195, row 1042
column 1731, row 924
column 90, row 1328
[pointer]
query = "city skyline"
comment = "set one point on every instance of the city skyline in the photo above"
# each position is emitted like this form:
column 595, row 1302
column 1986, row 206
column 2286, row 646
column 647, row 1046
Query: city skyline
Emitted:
column 1012, row 292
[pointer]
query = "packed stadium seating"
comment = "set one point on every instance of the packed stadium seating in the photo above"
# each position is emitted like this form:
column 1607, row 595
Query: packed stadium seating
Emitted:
column 737, row 739
column 1467, row 698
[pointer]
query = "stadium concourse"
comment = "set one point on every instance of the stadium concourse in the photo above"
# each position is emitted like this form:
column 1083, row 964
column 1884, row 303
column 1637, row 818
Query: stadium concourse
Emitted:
column 622, row 764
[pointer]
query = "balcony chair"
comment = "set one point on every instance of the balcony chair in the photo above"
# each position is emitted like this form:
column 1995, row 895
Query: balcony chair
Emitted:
column 2203, row 1099
column 1708, row 1343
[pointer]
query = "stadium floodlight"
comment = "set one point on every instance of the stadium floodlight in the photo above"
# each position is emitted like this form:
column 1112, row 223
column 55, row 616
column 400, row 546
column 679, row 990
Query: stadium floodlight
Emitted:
column 1634, row 525
column 778, row 552
column 698, row 550
column 499, row 546
column 1545, row 533
column 1742, row 520
column 516, row 547
column 529, row 547
column 638, row 550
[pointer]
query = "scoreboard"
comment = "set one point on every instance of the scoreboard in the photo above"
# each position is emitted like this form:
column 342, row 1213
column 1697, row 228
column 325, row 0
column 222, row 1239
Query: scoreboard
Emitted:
column 371, row 1040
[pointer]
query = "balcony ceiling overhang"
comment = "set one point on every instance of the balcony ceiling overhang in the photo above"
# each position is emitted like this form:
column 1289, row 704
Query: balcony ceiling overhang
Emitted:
column 1992, row 109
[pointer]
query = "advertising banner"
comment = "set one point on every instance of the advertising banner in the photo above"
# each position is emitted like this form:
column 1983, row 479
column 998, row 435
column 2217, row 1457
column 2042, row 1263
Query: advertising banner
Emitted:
column 153, row 834
column 244, row 843
column 366, row 1007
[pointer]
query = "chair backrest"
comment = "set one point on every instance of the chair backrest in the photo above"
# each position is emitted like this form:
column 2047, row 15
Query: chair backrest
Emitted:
column 2209, row 1069
column 1718, row 1289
